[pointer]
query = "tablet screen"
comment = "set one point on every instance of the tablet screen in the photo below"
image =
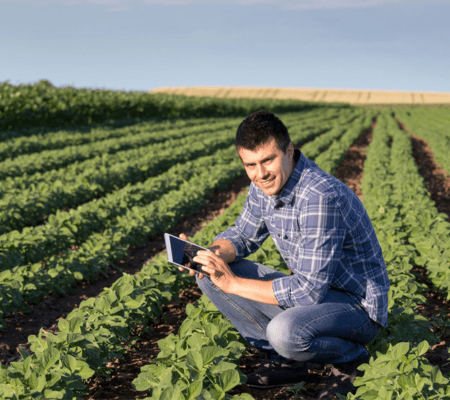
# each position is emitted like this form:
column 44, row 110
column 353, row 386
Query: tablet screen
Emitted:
column 181, row 252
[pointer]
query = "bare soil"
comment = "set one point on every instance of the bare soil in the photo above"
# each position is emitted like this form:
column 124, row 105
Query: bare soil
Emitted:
column 117, row 384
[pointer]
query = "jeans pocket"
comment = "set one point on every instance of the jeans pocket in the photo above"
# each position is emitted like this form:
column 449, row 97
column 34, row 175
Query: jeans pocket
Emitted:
column 366, row 333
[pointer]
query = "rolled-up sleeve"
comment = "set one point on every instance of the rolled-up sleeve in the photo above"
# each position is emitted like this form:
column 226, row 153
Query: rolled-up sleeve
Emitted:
column 249, row 231
column 322, row 233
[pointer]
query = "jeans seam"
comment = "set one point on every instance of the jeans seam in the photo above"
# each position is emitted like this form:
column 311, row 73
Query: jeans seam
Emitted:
column 242, row 311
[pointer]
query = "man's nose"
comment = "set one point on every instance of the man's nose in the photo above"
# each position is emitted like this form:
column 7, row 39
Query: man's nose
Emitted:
column 262, row 172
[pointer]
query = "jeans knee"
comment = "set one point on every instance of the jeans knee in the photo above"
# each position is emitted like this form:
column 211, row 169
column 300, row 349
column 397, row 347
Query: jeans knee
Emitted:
column 284, row 336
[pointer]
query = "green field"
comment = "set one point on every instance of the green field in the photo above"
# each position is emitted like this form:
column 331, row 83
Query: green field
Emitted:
column 85, row 175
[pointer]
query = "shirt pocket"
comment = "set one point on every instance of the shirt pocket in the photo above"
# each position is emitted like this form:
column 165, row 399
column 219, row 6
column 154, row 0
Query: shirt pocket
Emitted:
column 290, row 239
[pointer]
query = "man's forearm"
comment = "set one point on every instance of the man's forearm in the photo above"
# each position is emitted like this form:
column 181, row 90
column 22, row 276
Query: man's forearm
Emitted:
column 253, row 289
column 226, row 250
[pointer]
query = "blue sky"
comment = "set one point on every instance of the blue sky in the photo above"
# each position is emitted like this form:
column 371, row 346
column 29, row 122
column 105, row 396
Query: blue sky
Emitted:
column 144, row 44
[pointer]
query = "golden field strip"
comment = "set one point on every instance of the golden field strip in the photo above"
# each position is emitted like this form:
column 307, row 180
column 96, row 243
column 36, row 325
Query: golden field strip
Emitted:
column 320, row 95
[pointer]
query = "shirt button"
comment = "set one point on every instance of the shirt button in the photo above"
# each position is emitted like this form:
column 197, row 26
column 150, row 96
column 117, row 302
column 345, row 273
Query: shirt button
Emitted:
column 278, row 235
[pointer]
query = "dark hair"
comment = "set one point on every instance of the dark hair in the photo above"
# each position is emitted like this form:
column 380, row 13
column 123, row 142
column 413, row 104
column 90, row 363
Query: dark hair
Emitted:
column 259, row 128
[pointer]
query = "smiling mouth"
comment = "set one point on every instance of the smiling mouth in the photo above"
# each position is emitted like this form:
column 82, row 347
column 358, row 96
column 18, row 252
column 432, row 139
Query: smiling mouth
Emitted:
column 266, row 183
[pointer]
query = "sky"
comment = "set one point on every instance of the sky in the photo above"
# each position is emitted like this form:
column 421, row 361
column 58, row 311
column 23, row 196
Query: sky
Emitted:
column 139, row 45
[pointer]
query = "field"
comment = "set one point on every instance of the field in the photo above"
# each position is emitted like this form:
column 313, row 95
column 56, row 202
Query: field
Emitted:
column 356, row 97
column 89, row 307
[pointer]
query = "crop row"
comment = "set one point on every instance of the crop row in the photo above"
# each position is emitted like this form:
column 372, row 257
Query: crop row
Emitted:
column 41, row 139
column 424, row 228
column 100, row 329
column 100, row 325
column 45, row 139
column 47, row 160
column 76, row 184
column 28, row 199
column 27, row 283
column 398, row 368
column 115, row 215
column 435, row 132
column 66, row 229
column 144, row 135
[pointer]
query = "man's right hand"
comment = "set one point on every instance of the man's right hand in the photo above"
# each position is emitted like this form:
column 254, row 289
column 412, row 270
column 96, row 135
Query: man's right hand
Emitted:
column 191, row 272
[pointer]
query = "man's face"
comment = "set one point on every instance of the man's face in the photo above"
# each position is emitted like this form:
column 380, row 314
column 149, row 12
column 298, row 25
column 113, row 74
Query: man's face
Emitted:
column 268, row 167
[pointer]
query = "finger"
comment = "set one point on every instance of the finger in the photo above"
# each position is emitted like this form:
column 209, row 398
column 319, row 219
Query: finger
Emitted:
column 207, row 270
column 207, row 255
column 208, row 258
column 184, row 237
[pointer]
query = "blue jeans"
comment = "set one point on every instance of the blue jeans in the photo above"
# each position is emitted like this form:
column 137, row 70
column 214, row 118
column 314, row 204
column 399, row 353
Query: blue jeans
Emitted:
column 332, row 332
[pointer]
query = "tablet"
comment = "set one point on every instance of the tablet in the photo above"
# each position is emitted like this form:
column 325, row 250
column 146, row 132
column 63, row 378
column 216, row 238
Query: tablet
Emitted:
column 181, row 252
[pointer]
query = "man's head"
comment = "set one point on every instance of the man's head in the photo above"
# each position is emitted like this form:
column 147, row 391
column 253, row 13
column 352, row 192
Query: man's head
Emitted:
column 258, row 128
column 264, row 146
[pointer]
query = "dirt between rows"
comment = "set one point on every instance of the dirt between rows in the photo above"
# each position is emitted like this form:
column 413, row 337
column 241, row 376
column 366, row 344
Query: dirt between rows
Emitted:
column 117, row 384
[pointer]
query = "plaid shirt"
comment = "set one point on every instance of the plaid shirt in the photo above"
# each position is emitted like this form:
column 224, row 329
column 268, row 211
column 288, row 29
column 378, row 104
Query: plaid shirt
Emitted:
column 324, row 234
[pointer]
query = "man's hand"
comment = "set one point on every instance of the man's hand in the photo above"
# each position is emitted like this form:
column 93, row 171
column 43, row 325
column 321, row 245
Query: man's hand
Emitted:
column 191, row 272
column 217, row 268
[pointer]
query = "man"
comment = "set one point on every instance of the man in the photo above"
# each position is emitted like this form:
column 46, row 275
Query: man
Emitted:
column 335, row 300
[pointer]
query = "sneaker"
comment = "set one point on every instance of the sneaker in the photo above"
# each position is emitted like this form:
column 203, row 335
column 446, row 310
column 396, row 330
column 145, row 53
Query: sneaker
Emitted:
column 341, row 379
column 280, row 373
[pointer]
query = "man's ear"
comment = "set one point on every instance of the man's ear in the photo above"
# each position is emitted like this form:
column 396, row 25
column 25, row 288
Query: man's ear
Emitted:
column 290, row 150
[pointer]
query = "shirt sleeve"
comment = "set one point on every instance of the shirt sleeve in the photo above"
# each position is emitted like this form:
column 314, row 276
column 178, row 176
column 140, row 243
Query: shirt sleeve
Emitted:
column 322, row 233
column 250, row 230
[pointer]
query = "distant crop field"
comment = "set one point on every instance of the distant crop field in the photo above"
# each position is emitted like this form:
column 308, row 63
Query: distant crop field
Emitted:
column 320, row 95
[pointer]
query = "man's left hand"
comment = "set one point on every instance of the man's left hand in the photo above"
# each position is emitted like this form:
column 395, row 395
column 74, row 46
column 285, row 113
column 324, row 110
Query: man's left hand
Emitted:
column 217, row 268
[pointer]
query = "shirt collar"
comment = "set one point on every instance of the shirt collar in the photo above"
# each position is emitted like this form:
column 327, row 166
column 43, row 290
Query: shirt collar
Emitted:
column 288, row 191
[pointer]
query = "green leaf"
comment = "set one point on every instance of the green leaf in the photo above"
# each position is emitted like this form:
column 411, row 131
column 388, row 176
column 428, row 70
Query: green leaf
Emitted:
column 36, row 382
column 84, row 371
column 209, row 353
column 194, row 390
column 195, row 342
column 423, row 347
column 75, row 325
column 184, row 328
column 63, row 325
column 222, row 366
column 194, row 360
column 436, row 375
column 69, row 362
column 50, row 357
column 23, row 352
column 229, row 379
column 172, row 394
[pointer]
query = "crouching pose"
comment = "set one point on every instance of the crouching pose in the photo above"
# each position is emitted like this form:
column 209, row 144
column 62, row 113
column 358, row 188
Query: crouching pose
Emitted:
column 335, row 300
